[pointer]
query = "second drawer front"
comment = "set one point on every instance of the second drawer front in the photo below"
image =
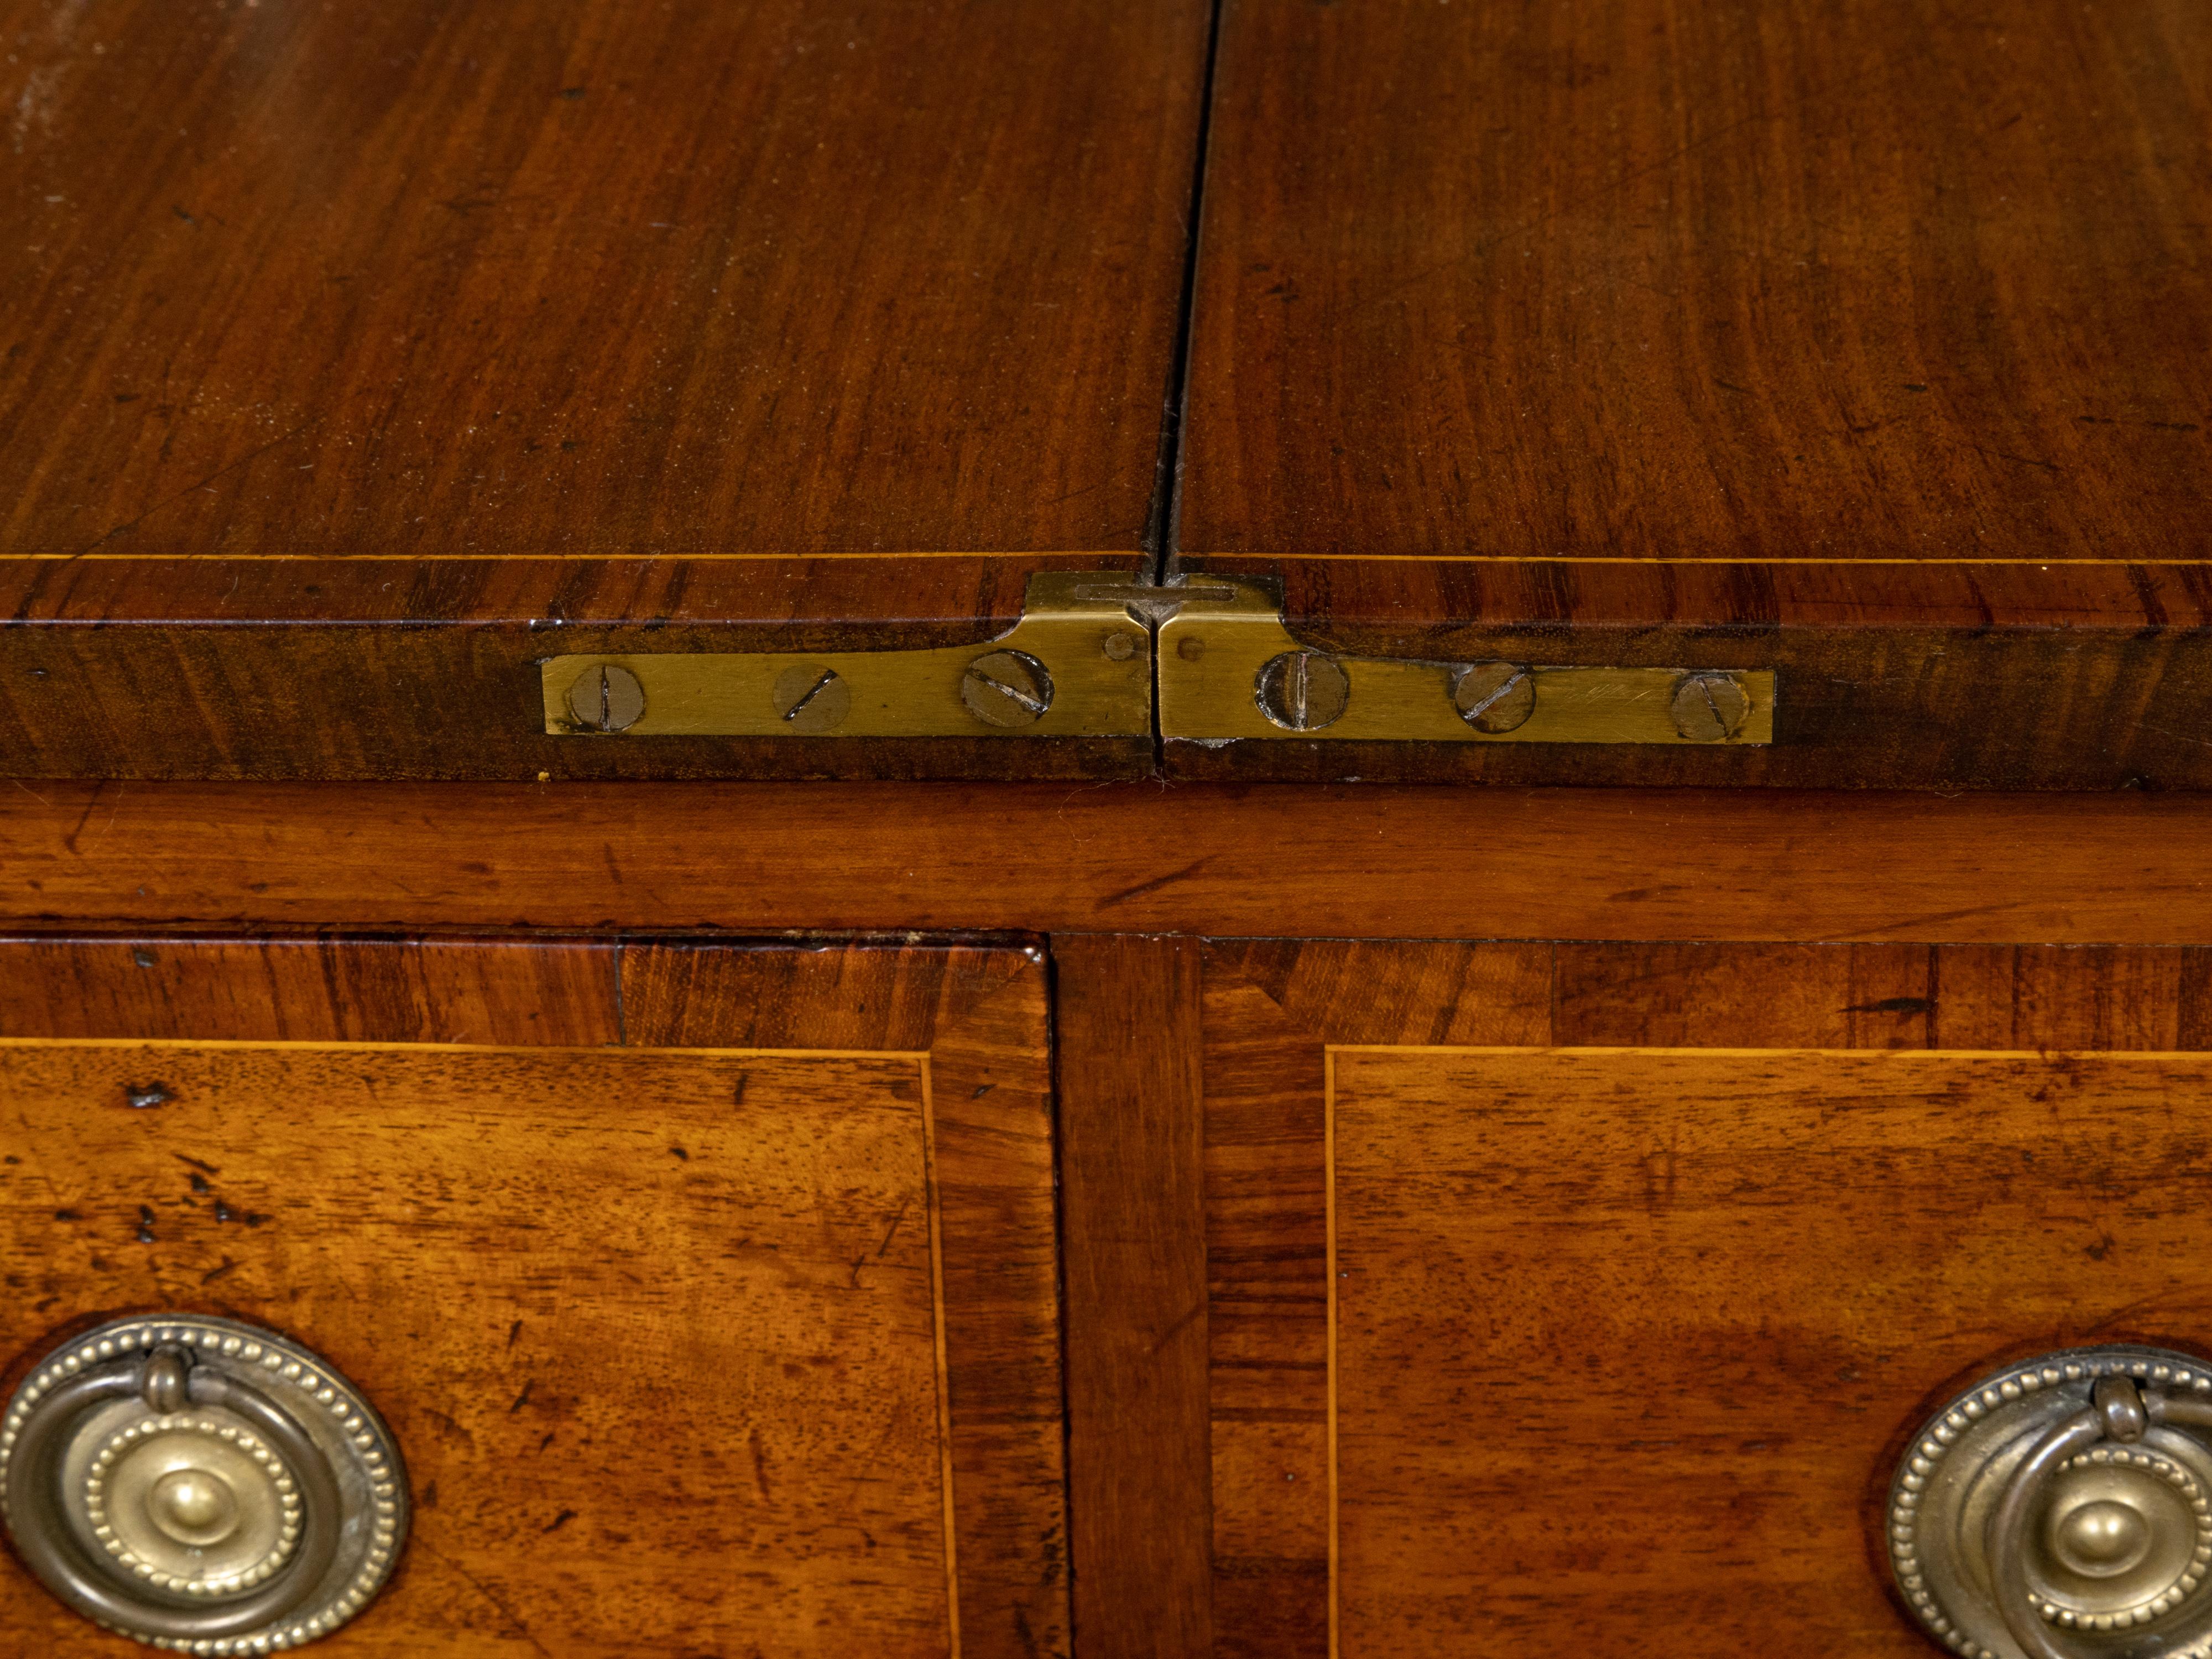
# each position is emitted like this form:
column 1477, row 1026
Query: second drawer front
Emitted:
column 1525, row 1347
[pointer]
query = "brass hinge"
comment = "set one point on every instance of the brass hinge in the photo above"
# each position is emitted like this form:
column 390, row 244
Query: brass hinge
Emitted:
column 1230, row 670
column 1077, row 664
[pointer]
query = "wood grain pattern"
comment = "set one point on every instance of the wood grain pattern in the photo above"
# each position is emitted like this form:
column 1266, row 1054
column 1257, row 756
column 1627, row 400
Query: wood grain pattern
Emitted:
column 590, row 330
column 1867, row 341
column 1280, row 1015
column 1649, row 1322
column 2081, row 676
column 564, row 993
column 707, row 1464
column 1128, row 1054
column 657, row 1094
column 1413, row 863
column 1816, row 279
column 983, row 1015
column 2018, row 997
column 1891, row 675
column 267, row 668
column 1860, row 996
column 557, row 277
column 1266, row 1105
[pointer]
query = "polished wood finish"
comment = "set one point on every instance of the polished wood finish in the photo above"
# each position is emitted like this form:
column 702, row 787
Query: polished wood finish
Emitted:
column 561, row 992
column 1890, row 676
column 981, row 1013
column 1645, row 1330
column 1327, row 1250
column 1810, row 281
column 1350, row 862
column 597, row 1469
column 367, row 669
column 1869, row 343
column 1267, row 1235
column 1882, row 996
column 619, row 1433
column 1822, row 342
column 556, row 277
column 1129, row 1058
column 589, row 331
column 1541, row 1171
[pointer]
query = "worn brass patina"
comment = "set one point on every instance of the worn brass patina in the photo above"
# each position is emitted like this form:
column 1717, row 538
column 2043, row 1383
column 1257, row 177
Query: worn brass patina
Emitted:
column 1076, row 665
column 1225, row 659
column 1080, row 663
column 201, row 1484
column 2062, row 1509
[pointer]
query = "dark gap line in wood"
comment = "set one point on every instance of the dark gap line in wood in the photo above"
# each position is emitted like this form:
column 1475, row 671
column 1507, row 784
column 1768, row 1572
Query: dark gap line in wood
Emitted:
column 1067, row 1336
column 1160, row 533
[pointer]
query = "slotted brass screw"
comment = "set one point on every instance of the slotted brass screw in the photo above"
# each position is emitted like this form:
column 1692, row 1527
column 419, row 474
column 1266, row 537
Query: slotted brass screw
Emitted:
column 1710, row 707
column 1303, row 691
column 1006, row 688
column 1495, row 696
column 810, row 698
column 607, row 698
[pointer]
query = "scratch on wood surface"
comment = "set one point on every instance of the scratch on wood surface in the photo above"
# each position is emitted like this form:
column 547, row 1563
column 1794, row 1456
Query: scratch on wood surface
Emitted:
column 505, row 1611
column 1153, row 886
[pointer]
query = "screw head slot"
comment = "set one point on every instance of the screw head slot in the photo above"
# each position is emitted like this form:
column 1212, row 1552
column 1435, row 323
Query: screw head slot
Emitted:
column 1303, row 691
column 1006, row 688
column 1710, row 707
column 810, row 698
column 1494, row 696
column 607, row 698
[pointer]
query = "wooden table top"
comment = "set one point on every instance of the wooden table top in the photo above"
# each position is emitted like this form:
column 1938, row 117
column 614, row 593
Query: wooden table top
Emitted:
column 1868, row 343
column 530, row 278
column 774, row 326
column 1812, row 279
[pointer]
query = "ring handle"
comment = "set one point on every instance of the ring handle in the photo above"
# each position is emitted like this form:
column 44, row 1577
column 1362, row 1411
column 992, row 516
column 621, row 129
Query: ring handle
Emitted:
column 2062, row 1509
column 165, row 1380
column 2120, row 1412
column 201, row 1484
column 2117, row 1411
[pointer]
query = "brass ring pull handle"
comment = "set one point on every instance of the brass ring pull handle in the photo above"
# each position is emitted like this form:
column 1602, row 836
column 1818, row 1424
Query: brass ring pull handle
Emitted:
column 166, row 1384
column 2061, row 1510
column 201, row 1486
column 2100, row 1535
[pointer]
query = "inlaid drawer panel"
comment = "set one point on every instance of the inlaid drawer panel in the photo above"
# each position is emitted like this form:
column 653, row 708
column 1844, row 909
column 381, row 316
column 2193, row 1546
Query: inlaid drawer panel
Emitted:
column 708, row 1289
column 1585, row 1297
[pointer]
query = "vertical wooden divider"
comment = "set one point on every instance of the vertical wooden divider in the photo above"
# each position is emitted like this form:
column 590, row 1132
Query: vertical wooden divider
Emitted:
column 1133, row 1231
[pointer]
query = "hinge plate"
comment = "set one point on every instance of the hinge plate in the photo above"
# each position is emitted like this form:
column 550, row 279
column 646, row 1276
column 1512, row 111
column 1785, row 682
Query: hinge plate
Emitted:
column 1078, row 665
column 1230, row 670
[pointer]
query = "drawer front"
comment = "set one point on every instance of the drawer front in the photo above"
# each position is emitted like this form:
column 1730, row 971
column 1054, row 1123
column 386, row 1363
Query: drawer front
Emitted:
column 1586, row 1297
column 708, row 1289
